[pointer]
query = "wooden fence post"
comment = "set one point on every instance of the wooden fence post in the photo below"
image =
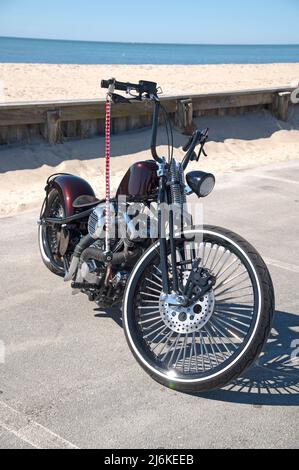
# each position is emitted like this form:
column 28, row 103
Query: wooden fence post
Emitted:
column 280, row 106
column 53, row 127
column 184, row 116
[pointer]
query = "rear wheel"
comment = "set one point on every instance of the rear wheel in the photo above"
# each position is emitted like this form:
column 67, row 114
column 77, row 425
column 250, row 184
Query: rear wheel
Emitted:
column 210, row 343
column 48, row 235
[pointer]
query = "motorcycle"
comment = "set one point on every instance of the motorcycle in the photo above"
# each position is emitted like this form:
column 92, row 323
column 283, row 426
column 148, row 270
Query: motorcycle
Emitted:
column 197, row 301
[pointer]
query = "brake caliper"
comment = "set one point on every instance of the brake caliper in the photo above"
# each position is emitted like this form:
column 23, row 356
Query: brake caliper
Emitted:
column 200, row 282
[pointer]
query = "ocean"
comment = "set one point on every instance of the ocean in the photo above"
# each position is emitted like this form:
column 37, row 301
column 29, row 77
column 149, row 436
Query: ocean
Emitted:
column 81, row 52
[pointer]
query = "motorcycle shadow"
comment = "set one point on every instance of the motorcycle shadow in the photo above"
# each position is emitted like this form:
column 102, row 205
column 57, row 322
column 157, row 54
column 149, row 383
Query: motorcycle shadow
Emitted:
column 273, row 380
column 113, row 312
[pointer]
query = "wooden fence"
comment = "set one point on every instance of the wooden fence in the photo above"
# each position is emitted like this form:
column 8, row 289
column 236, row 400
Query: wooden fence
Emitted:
column 57, row 121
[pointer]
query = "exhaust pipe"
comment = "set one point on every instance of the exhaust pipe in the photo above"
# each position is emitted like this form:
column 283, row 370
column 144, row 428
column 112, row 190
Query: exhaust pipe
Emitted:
column 84, row 243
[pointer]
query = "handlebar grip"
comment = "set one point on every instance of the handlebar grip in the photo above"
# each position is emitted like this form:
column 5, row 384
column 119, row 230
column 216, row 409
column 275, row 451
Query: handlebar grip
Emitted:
column 105, row 83
column 118, row 85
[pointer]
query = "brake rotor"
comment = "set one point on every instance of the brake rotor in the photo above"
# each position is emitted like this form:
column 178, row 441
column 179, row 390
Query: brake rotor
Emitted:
column 187, row 319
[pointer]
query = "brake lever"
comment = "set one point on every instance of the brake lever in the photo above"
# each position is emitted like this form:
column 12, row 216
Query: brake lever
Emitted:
column 119, row 99
column 202, row 150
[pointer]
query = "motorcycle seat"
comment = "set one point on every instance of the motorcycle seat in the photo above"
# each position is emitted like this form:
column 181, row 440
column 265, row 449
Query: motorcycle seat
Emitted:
column 85, row 202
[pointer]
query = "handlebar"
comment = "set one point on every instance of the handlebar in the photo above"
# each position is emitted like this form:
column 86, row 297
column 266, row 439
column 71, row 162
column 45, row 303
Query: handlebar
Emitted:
column 149, row 90
column 143, row 87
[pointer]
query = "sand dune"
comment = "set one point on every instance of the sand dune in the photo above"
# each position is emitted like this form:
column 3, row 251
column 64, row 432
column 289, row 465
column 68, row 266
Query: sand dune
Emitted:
column 235, row 143
column 40, row 82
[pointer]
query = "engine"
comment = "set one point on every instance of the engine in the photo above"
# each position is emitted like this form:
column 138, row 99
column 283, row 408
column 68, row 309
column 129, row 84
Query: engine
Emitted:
column 130, row 234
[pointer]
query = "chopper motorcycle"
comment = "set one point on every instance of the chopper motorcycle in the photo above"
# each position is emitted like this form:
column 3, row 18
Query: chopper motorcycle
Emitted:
column 197, row 301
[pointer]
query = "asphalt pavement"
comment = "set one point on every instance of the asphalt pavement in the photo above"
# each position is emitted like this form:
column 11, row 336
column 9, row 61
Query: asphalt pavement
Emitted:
column 68, row 379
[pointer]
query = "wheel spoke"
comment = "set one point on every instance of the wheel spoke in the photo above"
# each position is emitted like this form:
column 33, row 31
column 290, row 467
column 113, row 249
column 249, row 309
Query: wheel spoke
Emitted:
column 223, row 334
column 174, row 349
column 150, row 295
column 153, row 332
column 195, row 351
column 158, row 269
column 224, row 254
column 154, row 290
column 206, row 350
column 223, row 268
column 157, row 336
column 233, row 291
column 155, row 302
column 232, row 279
column 166, row 339
column 158, row 278
column 233, row 320
column 185, row 351
column 154, row 283
column 145, row 315
column 212, row 334
column 208, row 257
column 144, row 322
column 146, row 307
column 221, row 273
column 191, row 353
column 219, row 337
column 224, row 299
column 227, row 312
column 211, row 344
column 230, row 327
column 169, row 348
column 179, row 355
column 214, row 258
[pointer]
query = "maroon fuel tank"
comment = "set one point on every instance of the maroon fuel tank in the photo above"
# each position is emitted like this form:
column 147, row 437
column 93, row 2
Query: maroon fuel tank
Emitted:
column 140, row 181
column 71, row 187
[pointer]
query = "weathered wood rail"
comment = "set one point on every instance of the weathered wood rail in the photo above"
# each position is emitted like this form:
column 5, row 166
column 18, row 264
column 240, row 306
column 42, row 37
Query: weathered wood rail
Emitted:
column 57, row 121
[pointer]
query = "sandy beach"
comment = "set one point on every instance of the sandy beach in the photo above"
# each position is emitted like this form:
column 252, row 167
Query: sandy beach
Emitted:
column 42, row 82
column 236, row 143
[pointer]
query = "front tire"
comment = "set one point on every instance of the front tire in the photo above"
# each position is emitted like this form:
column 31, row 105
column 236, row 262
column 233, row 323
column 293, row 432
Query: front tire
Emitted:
column 213, row 352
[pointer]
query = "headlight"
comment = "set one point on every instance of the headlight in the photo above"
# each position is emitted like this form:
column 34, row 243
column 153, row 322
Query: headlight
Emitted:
column 201, row 183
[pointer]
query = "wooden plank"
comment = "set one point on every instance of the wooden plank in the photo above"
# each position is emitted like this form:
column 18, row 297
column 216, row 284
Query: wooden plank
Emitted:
column 70, row 113
column 71, row 129
column 184, row 116
column 217, row 102
column 53, row 129
column 85, row 129
column 13, row 117
column 3, row 135
column 280, row 106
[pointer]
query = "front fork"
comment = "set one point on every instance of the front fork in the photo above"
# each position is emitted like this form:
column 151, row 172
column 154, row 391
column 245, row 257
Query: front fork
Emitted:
column 164, row 200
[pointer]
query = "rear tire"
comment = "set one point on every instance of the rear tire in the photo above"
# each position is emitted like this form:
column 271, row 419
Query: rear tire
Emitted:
column 198, row 378
column 47, row 236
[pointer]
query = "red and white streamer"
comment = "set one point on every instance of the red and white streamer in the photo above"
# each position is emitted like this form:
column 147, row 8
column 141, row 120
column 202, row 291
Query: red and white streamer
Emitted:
column 107, row 173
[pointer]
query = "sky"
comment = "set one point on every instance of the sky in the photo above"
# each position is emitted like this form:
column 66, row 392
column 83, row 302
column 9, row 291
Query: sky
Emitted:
column 166, row 21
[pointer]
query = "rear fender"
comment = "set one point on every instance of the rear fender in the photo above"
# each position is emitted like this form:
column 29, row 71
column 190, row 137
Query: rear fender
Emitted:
column 70, row 187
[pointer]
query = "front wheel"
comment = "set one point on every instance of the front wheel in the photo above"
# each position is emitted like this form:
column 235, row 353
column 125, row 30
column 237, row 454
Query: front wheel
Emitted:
column 208, row 344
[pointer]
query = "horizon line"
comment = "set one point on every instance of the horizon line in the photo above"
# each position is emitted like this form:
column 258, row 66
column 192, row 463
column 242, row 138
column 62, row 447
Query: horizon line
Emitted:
column 148, row 43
